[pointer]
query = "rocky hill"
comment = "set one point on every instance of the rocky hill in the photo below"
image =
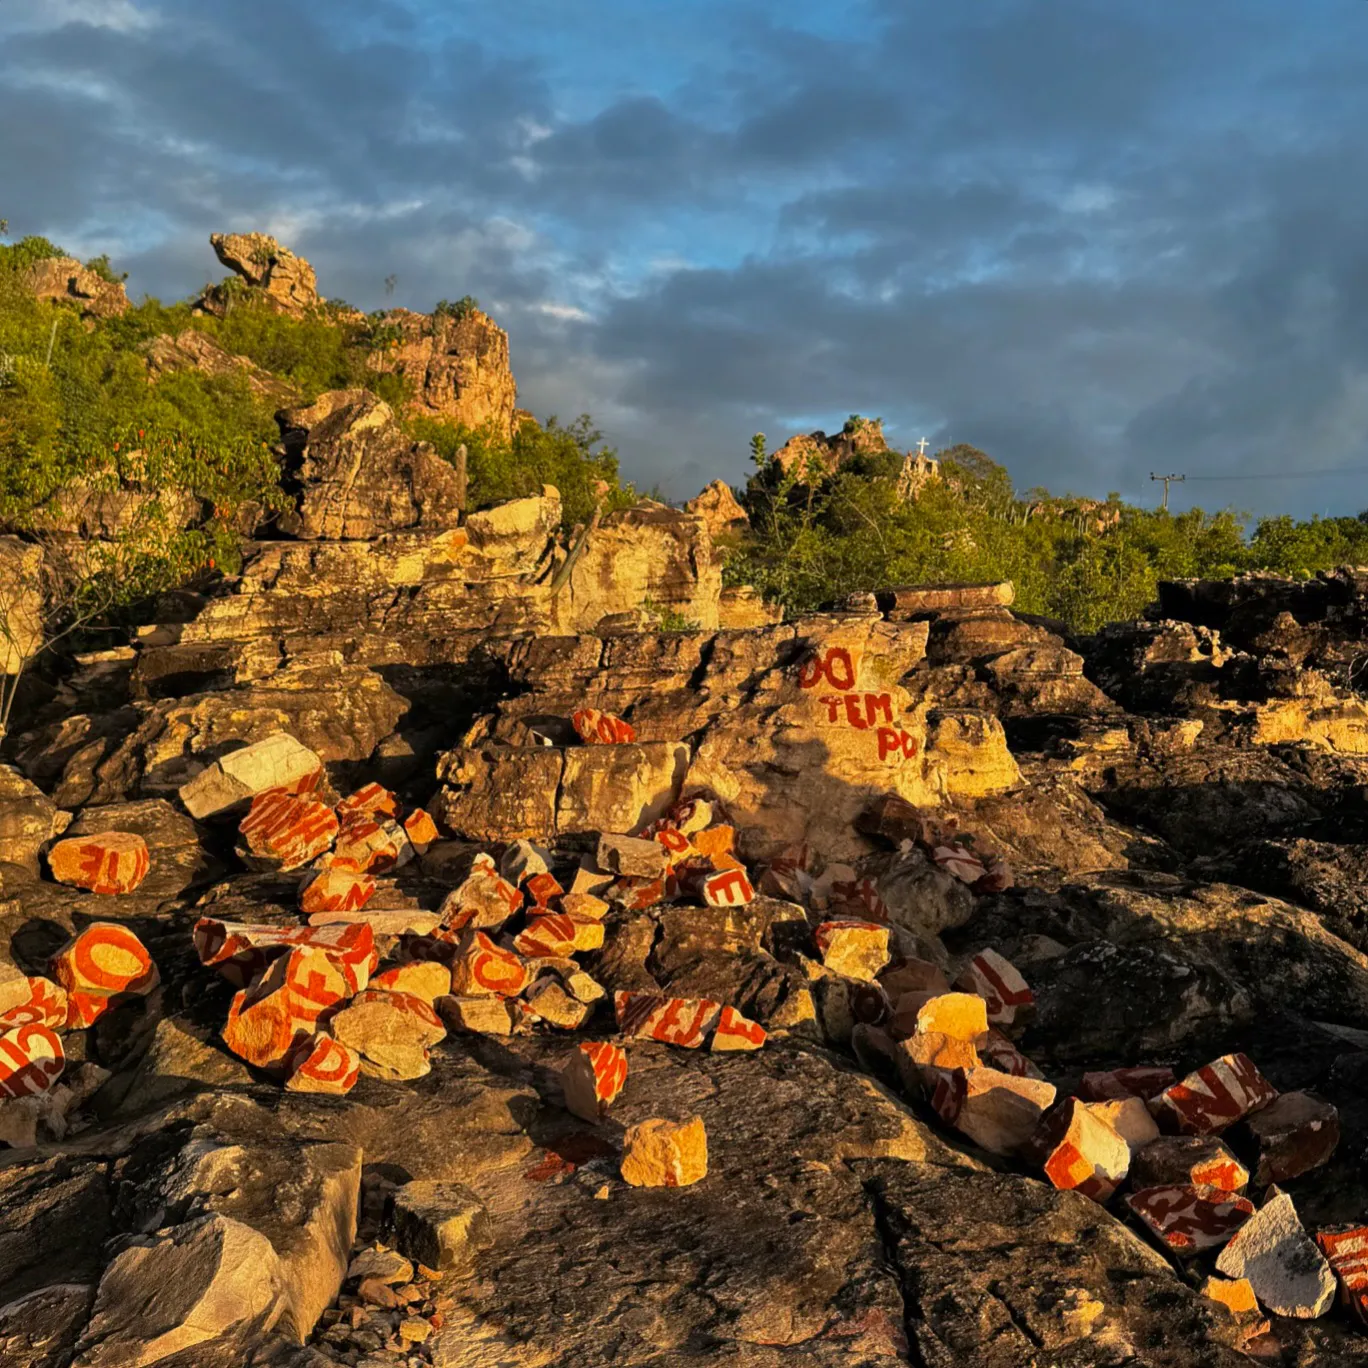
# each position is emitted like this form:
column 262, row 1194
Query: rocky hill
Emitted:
column 413, row 953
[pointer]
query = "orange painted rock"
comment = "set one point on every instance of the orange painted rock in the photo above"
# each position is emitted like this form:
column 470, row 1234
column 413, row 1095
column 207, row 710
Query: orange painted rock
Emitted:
column 999, row 1053
column 997, row 982
column 1188, row 1160
column 336, row 890
column 285, row 831
column 483, row 969
column 737, row 1032
column 367, row 843
column 549, row 937
column 31, row 1060
column 542, row 888
column 1346, row 1250
column 483, row 901
column 392, row 1032
column 1189, row 1219
column 368, row 801
column 636, row 895
column 956, row 860
column 597, row 728
column 112, row 862
column 267, row 1021
column 727, row 888
column 426, row 979
column 241, row 952
column 1083, row 1153
column 672, row 1020
column 715, row 842
column 855, row 949
column 676, row 845
column 102, row 963
column 421, row 830
column 593, row 1079
column 323, row 1065
column 1213, row 1097
column 32, row 1001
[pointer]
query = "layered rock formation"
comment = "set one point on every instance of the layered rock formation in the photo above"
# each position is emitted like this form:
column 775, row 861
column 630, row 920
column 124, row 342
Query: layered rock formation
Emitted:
column 64, row 279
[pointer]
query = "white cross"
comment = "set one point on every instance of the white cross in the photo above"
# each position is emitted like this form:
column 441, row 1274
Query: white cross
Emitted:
column 921, row 447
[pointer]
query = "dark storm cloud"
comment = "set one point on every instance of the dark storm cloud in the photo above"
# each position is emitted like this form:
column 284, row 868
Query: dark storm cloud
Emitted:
column 1090, row 238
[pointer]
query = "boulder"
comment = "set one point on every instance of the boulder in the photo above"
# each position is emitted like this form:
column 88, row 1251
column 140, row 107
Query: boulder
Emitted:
column 285, row 279
column 66, row 281
column 358, row 475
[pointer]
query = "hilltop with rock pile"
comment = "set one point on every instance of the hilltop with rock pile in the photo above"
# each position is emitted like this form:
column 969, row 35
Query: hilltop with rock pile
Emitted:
column 454, row 938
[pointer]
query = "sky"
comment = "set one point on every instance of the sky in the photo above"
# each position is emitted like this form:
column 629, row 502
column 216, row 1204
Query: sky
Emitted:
column 1095, row 238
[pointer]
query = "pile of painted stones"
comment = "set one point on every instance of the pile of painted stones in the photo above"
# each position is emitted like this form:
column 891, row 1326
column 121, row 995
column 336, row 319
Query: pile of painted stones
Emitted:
column 94, row 970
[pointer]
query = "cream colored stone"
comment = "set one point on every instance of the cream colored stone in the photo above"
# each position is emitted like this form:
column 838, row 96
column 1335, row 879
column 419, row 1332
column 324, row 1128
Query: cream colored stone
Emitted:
column 660, row 1153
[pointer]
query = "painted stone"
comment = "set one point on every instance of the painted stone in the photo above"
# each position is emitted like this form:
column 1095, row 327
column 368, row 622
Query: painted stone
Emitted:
column 27, row 1001
column 370, row 843
column 426, row 979
column 596, row 728
column 31, row 1060
column 241, row 952
column 1213, row 1097
column 392, row 1032
column 1191, row 1160
column 113, row 862
column 483, row 969
column 549, row 937
column 369, row 800
column 1293, row 1134
column 737, row 1032
column 999, row 984
column 1346, row 1250
column 1082, row 1152
column 1144, row 1081
column 672, row 1020
column 727, row 888
column 1188, row 1219
column 103, row 962
column 286, row 831
column 323, row 1065
column 593, row 1078
column 336, row 890
column 483, row 901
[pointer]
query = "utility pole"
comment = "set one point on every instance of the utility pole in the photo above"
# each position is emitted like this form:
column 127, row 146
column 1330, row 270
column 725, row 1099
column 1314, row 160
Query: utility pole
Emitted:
column 1176, row 479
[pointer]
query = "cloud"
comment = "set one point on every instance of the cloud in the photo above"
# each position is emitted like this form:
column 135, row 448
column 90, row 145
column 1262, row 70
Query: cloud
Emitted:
column 1090, row 239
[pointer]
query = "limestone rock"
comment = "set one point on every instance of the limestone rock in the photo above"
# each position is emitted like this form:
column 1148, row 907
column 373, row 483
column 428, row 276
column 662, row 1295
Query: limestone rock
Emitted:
column 718, row 508
column 1082, row 1152
column 358, row 476
column 65, row 280
column 629, row 855
column 287, row 280
column 1288, row 1272
column 441, row 1225
column 854, row 948
column 277, row 761
column 1195, row 1160
column 391, row 1032
column 661, row 1153
column 457, row 366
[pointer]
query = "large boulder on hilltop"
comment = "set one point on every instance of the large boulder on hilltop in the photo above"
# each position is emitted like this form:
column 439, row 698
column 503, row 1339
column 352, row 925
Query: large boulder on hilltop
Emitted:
column 719, row 509
column 64, row 279
column 456, row 364
column 287, row 280
column 358, row 476
column 861, row 437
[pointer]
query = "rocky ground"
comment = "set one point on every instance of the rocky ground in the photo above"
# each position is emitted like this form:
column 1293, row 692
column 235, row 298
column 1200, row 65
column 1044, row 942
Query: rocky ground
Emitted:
column 287, row 1120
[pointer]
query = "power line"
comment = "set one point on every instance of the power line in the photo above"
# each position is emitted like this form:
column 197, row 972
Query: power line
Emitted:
column 1284, row 474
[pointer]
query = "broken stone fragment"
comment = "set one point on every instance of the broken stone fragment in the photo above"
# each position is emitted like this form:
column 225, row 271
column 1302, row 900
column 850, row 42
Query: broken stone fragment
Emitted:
column 996, row 1111
column 277, row 761
column 737, row 1032
column 284, row 831
column 392, row 1033
column 370, row 842
column 112, row 862
column 368, row 801
column 523, row 860
column 335, row 890
column 1144, row 1081
column 631, row 856
column 1082, row 1152
column 1213, row 1097
column 241, row 952
column 999, row 984
column 481, row 968
column 962, row 1015
column 1287, row 1270
column 102, row 963
column 443, row 1226
column 542, row 889
column 1235, row 1294
column 672, row 1020
column 484, row 901
column 1293, row 1134
column 661, row 1153
column 1000, row 1053
column 727, row 888
column 26, row 1000
column 549, row 937
column 593, row 1079
column 322, row 1065
column 385, row 1266
column 958, row 861
column 857, row 949
column 426, row 979
column 676, row 845
column 477, row 1015
column 549, row 1001
column 584, row 907
column 1188, row 1219
column 1195, row 1160
column 1346, row 1249
column 935, row 1050
column 31, row 1060
column 1129, row 1118
column 268, row 1020
column 596, row 728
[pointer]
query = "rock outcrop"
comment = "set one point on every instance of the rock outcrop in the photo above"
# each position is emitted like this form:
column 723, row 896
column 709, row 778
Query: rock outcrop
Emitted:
column 65, row 280
column 456, row 365
column 287, row 280
column 192, row 349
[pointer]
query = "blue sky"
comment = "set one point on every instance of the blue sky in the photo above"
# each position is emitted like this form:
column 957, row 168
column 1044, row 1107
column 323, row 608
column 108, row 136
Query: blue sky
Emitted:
column 1094, row 237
